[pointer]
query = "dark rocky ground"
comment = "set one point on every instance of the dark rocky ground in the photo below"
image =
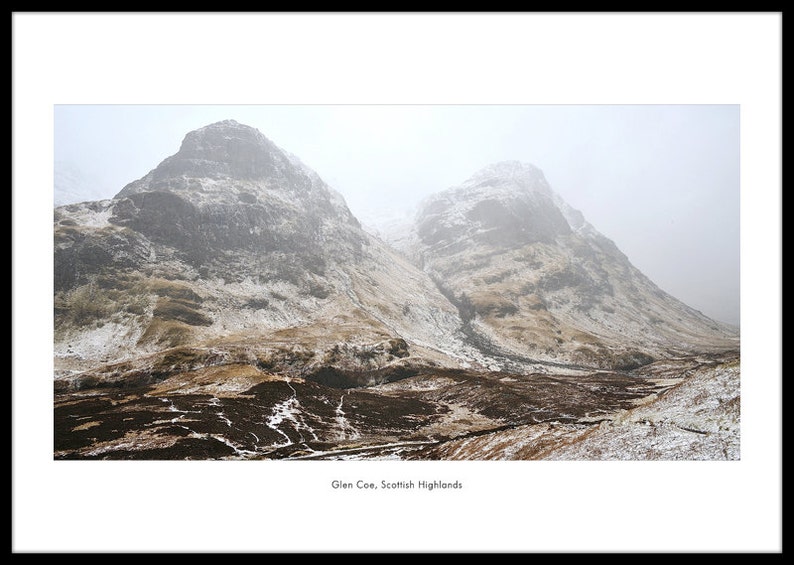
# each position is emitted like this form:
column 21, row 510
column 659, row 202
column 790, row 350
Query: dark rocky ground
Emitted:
column 430, row 415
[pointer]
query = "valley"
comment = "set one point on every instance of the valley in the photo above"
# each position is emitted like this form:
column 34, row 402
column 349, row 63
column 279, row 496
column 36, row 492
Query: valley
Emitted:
column 228, row 305
column 239, row 411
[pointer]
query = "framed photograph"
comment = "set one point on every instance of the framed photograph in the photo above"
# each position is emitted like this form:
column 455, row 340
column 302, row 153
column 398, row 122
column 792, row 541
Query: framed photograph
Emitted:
column 517, row 302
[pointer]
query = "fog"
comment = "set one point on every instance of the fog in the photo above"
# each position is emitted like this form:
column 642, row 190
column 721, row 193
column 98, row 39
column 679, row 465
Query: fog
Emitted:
column 661, row 181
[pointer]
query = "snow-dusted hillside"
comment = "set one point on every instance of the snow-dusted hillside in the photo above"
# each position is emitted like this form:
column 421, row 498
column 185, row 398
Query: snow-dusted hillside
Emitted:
column 532, row 278
column 233, row 240
column 229, row 305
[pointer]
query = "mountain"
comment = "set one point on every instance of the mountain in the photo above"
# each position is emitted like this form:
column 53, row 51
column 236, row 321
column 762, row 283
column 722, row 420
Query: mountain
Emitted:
column 229, row 305
column 229, row 240
column 533, row 280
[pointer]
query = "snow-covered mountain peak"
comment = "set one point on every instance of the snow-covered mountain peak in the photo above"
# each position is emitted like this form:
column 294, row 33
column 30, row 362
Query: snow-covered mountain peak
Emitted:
column 222, row 141
column 230, row 162
column 507, row 203
column 513, row 188
column 510, row 174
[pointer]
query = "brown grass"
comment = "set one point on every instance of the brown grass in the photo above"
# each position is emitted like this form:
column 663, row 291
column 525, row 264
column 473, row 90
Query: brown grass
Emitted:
column 180, row 311
column 165, row 333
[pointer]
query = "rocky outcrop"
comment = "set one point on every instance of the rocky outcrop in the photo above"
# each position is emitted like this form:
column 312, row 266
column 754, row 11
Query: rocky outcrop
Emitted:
column 229, row 188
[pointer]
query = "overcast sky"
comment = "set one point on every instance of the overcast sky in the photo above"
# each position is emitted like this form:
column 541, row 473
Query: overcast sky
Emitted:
column 661, row 181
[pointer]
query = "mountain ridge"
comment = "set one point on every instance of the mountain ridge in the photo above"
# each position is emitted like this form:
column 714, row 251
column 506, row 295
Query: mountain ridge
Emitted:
column 233, row 269
column 517, row 257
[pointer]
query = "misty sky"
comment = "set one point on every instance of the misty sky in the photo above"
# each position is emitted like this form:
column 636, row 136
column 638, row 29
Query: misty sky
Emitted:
column 661, row 181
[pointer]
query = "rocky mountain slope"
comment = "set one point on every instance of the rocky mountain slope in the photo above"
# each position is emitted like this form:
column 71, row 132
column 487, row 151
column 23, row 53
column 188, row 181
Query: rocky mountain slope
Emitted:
column 229, row 305
column 229, row 241
column 532, row 280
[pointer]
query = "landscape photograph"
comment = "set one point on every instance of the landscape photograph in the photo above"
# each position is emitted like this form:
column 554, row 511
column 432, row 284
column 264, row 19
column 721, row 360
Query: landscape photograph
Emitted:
column 396, row 283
